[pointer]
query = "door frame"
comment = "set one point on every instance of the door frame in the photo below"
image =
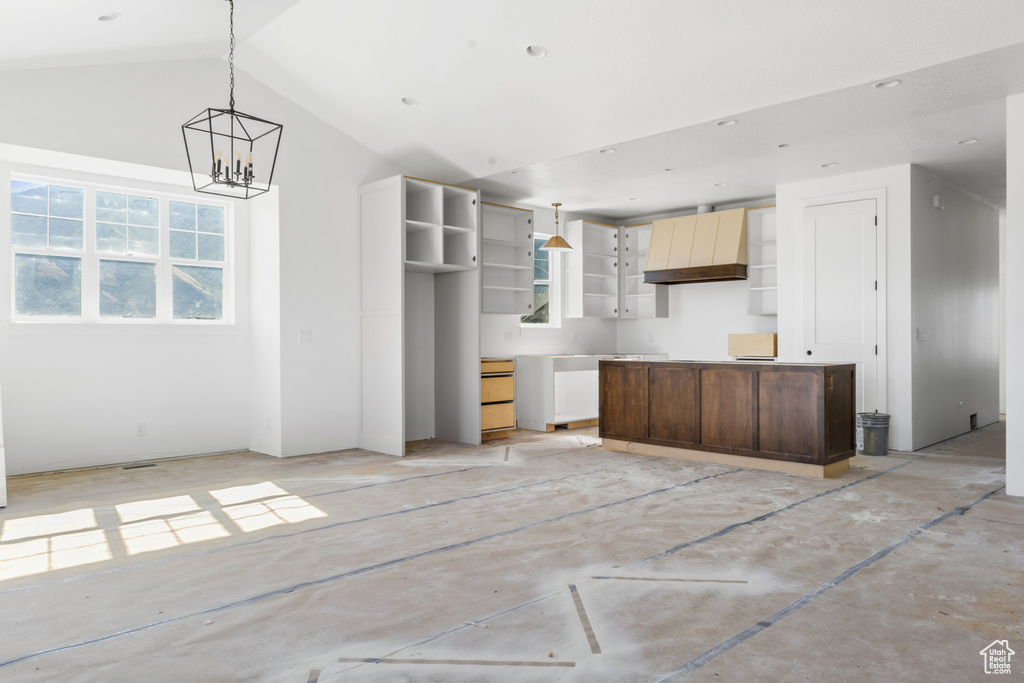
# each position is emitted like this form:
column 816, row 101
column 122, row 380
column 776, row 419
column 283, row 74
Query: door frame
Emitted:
column 881, row 272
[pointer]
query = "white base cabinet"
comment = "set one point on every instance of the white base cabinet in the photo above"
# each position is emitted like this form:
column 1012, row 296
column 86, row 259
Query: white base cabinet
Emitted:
column 559, row 390
column 419, row 303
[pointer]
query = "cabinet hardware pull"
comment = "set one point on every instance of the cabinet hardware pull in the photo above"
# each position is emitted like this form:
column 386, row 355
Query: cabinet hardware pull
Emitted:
column 808, row 352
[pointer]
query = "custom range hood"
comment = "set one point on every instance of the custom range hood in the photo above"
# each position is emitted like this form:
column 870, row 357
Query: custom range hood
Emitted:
column 705, row 247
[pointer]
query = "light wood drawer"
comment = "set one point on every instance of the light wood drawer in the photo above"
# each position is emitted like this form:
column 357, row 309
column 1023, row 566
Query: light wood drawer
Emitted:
column 498, row 416
column 493, row 389
column 490, row 366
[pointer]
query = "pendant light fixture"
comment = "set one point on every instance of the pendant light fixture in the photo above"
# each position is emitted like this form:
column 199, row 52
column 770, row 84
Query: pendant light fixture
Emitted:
column 556, row 243
column 230, row 153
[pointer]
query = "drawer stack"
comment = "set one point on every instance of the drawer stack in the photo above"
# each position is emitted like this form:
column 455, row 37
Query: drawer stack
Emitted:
column 497, row 398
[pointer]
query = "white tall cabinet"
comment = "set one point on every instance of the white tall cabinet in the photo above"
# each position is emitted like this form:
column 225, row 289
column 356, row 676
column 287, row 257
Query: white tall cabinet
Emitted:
column 507, row 268
column 419, row 313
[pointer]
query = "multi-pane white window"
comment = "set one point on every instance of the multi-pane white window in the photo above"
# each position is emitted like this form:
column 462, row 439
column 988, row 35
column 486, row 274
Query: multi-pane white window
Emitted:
column 88, row 253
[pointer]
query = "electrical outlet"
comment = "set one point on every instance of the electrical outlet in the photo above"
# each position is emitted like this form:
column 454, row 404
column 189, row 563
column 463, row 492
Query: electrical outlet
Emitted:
column 961, row 407
column 140, row 429
column 650, row 336
column 508, row 336
column 305, row 336
column 573, row 337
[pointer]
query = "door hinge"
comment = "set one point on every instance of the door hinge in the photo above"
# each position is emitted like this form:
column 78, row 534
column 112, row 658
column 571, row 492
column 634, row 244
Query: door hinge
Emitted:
column 876, row 220
column 876, row 349
column 876, row 285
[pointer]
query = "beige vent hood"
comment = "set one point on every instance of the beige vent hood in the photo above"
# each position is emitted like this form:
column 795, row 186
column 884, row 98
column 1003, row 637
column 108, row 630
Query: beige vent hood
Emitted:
column 707, row 247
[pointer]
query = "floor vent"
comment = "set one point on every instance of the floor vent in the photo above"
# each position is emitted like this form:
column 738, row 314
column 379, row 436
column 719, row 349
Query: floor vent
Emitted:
column 138, row 467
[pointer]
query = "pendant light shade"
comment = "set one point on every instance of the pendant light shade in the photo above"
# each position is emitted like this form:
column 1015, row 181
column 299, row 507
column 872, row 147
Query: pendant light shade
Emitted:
column 230, row 153
column 556, row 243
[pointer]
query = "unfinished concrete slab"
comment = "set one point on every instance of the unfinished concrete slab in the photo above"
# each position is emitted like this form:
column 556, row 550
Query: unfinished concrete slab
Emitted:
column 539, row 558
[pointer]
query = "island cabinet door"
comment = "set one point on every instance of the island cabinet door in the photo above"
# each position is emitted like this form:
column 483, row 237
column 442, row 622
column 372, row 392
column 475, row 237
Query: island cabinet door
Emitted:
column 675, row 404
column 790, row 411
column 624, row 405
column 728, row 409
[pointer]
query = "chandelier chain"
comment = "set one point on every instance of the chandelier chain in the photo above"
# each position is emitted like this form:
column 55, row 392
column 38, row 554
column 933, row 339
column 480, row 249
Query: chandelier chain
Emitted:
column 231, row 55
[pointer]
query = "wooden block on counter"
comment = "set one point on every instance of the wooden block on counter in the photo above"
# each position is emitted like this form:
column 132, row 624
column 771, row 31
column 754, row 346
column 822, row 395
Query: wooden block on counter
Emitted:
column 754, row 345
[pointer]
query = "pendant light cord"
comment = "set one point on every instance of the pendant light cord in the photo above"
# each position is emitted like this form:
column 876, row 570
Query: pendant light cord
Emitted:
column 231, row 56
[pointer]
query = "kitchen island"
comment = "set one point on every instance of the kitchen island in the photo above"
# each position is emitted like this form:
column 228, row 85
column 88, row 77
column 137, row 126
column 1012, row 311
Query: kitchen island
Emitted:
column 784, row 417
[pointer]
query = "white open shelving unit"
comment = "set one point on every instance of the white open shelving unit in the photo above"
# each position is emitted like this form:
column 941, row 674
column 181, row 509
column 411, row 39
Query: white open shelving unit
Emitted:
column 762, row 262
column 507, row 268
column 639, row 299
column 592, row 270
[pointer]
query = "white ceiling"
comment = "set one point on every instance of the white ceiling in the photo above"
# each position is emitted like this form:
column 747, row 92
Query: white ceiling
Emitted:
column 648, row 77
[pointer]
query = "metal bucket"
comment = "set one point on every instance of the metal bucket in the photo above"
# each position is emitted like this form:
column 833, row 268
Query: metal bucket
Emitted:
column 872, row 433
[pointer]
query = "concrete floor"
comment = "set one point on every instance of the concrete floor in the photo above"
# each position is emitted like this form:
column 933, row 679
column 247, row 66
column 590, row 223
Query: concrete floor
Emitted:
column 538, row 558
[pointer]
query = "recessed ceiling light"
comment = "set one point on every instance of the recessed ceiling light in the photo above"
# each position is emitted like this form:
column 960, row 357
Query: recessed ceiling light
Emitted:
column 110, row 16
column 410, row 102
column 721, row 184
column 968, row 141
column 829, row 164
column 888, row 84
column 726, row 122
column 537, row 51
column 784, row 145
column 607, row 150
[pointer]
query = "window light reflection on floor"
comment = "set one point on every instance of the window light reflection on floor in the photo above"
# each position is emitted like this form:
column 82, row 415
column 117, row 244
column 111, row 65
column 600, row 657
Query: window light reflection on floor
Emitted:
column 285, row 510
column 157, row 534
column 42, row 543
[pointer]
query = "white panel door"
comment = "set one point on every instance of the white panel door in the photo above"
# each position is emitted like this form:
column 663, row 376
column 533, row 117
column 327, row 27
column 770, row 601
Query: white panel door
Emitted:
column 840, row 296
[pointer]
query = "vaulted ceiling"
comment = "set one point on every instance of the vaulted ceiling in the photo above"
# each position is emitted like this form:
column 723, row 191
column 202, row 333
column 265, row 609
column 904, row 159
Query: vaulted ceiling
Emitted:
column 650, row 79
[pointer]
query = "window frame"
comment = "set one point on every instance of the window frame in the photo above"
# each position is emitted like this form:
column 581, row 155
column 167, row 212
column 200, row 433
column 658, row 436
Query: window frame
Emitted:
column 553, row 283
column 91, row 257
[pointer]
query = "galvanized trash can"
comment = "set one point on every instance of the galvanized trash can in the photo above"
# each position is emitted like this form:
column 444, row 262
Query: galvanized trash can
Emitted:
column 872, row 433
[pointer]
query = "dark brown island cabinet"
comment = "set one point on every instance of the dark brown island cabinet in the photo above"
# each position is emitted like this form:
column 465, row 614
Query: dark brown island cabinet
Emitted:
column 796, row 418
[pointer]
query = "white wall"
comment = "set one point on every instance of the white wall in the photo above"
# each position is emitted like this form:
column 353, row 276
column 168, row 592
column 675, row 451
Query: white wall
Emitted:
column 955, row 310
column 894, row 280
column 308, row 394
column 1015, row 294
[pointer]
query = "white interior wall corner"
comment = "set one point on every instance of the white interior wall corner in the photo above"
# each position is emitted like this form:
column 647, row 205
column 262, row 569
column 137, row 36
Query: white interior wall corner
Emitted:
column 1015, row 294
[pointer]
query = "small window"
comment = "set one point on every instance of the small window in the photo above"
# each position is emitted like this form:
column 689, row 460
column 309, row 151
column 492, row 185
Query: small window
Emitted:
column 542, row 284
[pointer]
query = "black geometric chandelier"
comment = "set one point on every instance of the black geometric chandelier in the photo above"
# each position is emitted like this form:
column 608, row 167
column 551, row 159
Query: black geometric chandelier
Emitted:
column 230, row 153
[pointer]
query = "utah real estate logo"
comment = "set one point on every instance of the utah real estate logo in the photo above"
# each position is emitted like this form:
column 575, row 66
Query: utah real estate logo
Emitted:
column 997, row 657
